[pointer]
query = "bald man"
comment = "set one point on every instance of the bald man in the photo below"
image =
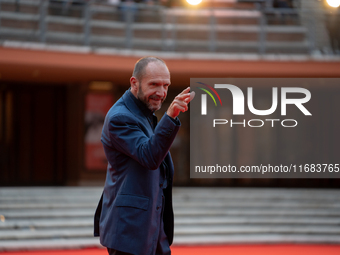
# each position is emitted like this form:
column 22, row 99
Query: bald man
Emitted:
column 135, row 214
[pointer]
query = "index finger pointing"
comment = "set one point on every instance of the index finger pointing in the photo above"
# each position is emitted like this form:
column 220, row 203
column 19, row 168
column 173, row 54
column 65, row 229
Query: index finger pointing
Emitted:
column 185, row 91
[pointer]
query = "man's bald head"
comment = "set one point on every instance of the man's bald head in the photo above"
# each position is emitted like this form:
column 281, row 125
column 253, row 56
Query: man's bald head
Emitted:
column 141, row 64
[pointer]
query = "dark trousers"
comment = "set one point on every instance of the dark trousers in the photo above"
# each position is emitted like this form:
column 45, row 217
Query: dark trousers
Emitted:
column 162, row 247
column 115, row 252
column 160, row 250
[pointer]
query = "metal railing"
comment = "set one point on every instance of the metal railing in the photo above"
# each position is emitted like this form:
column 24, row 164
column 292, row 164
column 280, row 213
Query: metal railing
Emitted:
column 155, row 27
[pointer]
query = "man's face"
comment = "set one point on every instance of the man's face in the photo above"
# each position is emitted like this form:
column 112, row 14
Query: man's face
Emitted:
column 153, row 87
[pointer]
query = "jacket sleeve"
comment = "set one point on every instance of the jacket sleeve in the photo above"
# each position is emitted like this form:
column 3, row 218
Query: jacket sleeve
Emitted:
column 126, row 135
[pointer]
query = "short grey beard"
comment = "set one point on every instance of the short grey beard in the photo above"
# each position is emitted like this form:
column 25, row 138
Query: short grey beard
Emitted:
column 148, row 105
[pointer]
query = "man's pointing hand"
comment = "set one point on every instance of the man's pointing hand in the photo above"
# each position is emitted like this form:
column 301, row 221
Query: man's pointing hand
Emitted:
column 180, row 103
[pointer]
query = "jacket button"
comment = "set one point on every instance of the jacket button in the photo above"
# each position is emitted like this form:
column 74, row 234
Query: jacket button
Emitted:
column 161, row 185
column 157, row 207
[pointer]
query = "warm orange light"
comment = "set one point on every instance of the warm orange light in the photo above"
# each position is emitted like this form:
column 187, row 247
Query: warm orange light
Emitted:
column 194, row 2
column 334, row 3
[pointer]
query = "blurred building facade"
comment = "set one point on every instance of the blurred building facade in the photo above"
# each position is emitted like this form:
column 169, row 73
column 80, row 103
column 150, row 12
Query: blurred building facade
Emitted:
column 64, row 63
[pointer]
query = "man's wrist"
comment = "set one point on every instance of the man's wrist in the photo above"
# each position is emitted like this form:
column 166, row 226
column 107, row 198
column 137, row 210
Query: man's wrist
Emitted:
column 174, row 120
column 170, row 115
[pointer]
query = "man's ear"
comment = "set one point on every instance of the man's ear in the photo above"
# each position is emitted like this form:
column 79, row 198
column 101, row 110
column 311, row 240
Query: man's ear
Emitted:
column 134, row 85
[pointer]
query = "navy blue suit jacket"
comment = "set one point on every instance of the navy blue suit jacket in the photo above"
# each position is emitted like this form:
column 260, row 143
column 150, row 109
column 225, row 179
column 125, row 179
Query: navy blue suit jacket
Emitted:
column 129, row 214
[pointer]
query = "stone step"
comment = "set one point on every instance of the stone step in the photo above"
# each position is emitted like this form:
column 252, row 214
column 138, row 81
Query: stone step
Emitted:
column 8, row 194
column 49, row 223
column 261, row 220
column 178, row 192
column 53, row 223
column 281, row 193
column 237, row 229
column 255, row 212
column 78, row 243
column 49, row 244
column 211, row 203
column 40, row 214
column 215, row 203
column 255, row 238
column 180, row 212
column 34, row 234
column 49, row 205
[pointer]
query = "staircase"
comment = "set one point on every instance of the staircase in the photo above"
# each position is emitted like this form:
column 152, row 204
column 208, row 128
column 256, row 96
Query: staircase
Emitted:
column 62, row 218
column 226, row 215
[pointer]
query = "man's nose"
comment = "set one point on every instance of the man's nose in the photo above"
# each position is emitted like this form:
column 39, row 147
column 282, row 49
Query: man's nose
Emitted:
column 161, row 91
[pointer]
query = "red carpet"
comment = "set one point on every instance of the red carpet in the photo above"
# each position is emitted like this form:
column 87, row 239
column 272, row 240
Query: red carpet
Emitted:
column 213, row 250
